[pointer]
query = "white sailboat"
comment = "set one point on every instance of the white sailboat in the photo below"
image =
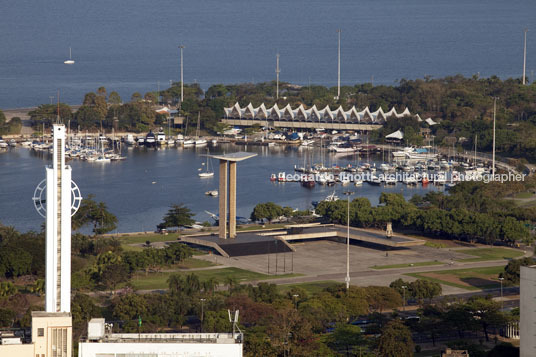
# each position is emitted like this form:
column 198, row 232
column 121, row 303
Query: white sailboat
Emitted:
column 208, row 172
column 199, row 142
column 70, row 60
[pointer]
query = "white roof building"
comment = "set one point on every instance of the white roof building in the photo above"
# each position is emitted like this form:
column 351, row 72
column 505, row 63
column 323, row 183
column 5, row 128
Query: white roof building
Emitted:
column 313, row 114
column 101, row 342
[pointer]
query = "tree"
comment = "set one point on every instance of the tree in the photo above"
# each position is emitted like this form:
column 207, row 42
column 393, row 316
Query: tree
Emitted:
column 395, row 340
column 114, row 274
column 512, row 270
column 345, row 337
column 114, row 98
column 96, row 213
column 486, row 312
column 177, row 216
column 268, row 210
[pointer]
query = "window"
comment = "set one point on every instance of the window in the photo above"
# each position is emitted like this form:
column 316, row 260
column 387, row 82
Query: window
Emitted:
column 40, row 332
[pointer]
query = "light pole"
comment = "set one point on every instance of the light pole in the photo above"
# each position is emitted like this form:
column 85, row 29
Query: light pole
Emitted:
column 524, row 54
column 347, row 279
column 202, row 312
column 502, row 303
column 404, row 287
column 277, row 70
column 181, row 47
column 339, row 66
column 295, row 298
column 493, row 153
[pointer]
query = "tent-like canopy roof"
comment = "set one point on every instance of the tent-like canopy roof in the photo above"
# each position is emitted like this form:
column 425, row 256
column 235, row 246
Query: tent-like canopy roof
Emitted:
column 399, row 135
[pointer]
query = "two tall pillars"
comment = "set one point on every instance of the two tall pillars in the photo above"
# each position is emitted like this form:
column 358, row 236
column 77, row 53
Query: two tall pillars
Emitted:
column 227, row 186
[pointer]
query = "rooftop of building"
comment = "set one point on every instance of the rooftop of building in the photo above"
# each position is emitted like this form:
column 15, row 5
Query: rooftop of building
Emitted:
column 220, row 338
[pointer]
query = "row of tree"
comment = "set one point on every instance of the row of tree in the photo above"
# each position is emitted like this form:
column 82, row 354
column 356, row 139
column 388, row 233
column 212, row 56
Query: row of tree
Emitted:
column 425, row 216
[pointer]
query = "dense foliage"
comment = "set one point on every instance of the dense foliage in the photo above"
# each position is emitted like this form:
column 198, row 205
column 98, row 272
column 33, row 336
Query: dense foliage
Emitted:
column 462, row 106
column 468, row 213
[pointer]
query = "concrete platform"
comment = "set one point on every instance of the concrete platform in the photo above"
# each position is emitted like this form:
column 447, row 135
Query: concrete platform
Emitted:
column 245, row 243
column 277, row 241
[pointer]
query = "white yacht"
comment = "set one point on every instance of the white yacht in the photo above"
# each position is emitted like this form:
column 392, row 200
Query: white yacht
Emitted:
column 70, row 60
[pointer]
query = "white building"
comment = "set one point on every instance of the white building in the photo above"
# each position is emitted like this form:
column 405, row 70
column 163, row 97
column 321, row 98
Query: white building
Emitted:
column 102, row 343
column 527, row 304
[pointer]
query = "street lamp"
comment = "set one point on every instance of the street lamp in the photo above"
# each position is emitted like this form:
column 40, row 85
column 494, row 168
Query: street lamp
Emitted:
column 202, row 312
column 295, row 298
column 181, row 47
column 339, row 66
column 502, row 303
column 404, row 287
column 347, row 279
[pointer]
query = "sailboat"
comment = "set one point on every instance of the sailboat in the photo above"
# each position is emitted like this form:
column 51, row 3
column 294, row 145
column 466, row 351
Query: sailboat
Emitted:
column 207, row 173
column 199, row 142
column 70, row 60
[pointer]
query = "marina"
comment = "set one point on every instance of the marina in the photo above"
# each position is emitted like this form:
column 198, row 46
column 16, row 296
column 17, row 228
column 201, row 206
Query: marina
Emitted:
column 165, row 175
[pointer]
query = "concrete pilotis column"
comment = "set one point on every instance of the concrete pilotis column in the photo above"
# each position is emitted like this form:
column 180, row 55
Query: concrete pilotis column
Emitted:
column 223, row 200
column 232, row 199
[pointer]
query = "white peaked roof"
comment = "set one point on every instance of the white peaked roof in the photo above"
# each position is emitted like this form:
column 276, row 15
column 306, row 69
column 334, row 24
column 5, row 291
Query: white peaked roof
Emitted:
column 399, row 135
column 288, row 111
column 249, row 109
column 326, row 114
column 261, row 109
column 418, row 117
column 275, row 110
column 430, row 122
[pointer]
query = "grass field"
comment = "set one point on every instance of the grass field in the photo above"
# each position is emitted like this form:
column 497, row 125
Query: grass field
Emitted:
column 159, row 280
column 524, row 195
column 469, row 279
column 311, row 288
column 192, row 263
column 142, row 238
column 406, row 265
column 484, row 254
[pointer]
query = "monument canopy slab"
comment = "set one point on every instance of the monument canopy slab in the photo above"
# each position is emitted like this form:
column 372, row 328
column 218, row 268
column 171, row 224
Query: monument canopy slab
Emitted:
column 235, row 156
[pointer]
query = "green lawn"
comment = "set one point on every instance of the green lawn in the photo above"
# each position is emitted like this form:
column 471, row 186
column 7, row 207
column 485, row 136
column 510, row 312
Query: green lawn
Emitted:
column 483, row 254
column 469, row 279
column 311, row 288
column 142, row 238
column 193, row 263
column 406, row 265
column 524, row 195
column 159, row 280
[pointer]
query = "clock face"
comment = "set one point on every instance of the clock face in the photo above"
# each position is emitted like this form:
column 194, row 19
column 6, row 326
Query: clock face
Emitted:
column 40, row 198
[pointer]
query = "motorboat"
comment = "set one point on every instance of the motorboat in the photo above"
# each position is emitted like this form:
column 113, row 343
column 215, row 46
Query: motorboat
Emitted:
column 3, row 144
column 200, row 142
column 358, row 183
column 273, row 177
column 281, row 177
column 12, row 143
column 188, row 143
column 150, row 139
column 161, row 137
column 212, row 193
column 390, row 180
column 130, row 140
column 307, row 143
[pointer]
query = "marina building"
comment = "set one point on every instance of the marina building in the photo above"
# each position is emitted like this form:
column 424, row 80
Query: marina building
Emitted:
column 313, row 118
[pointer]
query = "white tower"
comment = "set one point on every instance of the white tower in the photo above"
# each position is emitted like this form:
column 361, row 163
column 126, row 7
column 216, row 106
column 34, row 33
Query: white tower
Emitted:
column 62, row 201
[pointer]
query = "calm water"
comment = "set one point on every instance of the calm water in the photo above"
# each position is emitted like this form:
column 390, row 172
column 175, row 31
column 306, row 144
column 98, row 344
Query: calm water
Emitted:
column 128, row 190
column 131, row 45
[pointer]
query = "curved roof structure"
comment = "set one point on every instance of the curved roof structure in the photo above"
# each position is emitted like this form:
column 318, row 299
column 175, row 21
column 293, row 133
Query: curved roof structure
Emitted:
column 313, row 114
